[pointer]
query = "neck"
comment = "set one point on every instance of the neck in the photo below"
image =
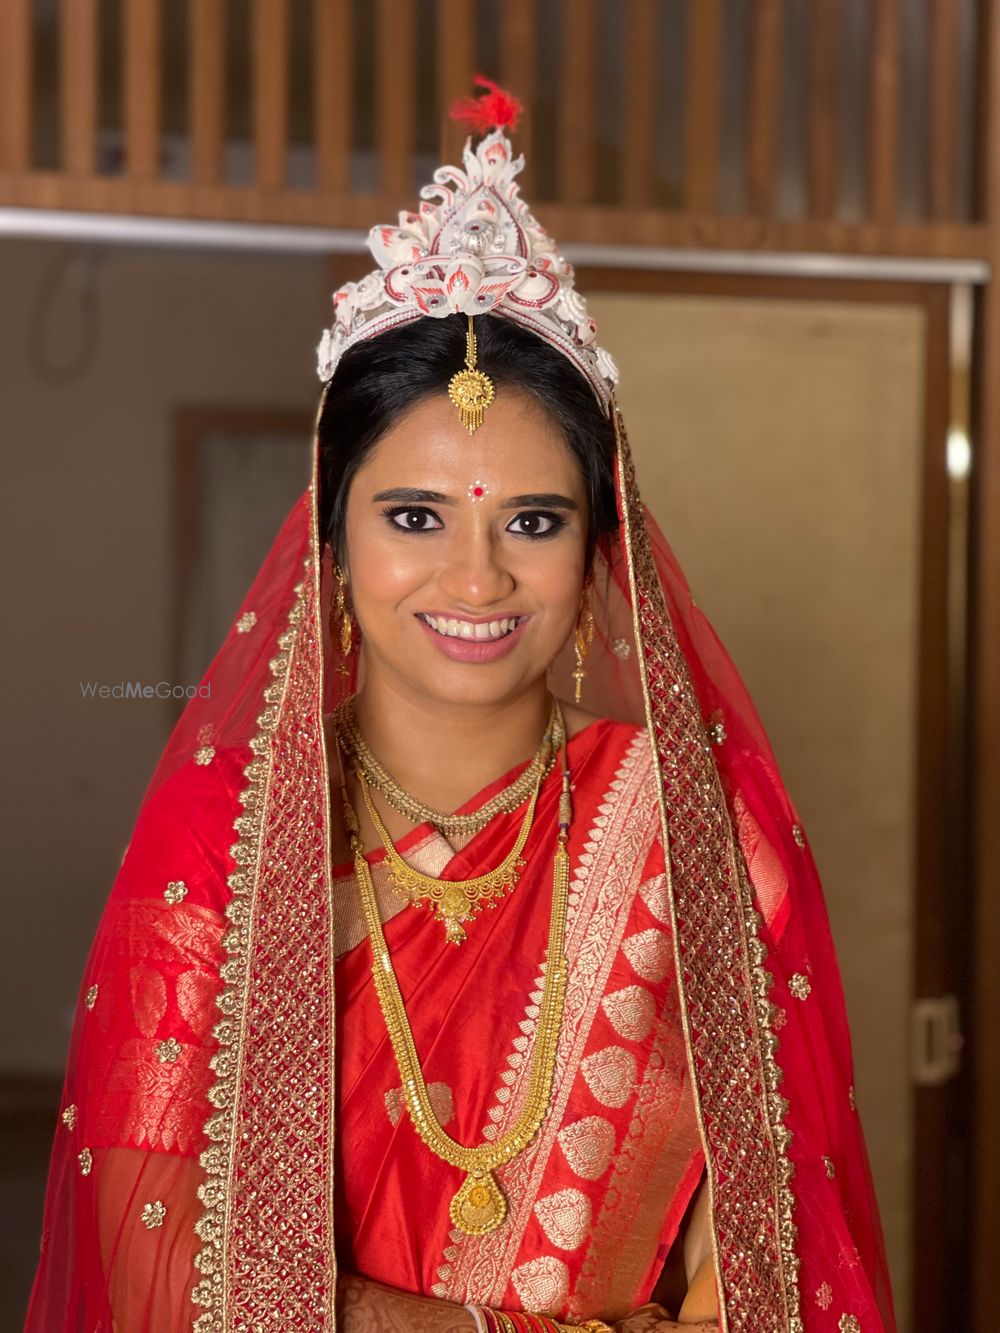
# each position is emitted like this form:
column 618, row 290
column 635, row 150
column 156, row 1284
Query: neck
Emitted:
column 445, row 753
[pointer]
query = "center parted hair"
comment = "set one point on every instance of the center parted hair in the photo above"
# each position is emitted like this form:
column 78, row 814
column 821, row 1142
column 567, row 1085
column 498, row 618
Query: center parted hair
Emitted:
column 379, row 380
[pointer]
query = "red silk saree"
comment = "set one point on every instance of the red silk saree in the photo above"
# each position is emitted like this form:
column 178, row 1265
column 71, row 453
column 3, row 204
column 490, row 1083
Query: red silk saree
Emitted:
column 580, row 1238
column 229, row 1127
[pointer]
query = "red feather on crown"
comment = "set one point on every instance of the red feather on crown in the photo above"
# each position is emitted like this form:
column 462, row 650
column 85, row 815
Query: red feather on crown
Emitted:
column 492, row 109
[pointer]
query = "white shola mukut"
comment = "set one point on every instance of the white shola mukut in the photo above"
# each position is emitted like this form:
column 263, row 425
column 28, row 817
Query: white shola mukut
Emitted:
column 473, row 248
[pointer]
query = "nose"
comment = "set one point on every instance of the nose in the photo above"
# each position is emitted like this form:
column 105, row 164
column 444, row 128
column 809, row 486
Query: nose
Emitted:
column 475, row 576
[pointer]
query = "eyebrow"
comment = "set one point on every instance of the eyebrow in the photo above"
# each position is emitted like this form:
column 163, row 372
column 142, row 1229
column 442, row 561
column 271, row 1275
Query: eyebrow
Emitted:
column 536, row 500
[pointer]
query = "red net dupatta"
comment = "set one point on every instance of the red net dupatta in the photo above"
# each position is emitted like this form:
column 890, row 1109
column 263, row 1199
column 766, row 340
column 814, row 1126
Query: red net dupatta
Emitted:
column 191, row 1179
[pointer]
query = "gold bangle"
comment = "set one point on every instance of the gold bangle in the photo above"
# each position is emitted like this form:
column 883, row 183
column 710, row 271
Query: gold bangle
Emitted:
column 588, row 1326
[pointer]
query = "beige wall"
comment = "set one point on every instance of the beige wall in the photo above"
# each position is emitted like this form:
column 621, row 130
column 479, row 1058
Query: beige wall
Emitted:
column 779, row 445
column 87, row 538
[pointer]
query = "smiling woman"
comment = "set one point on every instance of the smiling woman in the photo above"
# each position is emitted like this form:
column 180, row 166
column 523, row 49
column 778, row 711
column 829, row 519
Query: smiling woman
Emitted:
column 425, row 997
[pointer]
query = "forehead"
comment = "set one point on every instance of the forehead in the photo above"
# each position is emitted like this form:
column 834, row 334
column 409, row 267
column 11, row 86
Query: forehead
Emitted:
column 517, row 448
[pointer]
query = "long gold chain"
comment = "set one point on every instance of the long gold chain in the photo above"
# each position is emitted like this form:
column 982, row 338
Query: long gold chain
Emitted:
column 452, row 900
column 479, row 1205
column 503, row 803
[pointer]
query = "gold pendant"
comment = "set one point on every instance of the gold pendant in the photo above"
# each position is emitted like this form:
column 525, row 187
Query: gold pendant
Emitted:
column 453, row 909
column 479, row 1205
column 472, row 392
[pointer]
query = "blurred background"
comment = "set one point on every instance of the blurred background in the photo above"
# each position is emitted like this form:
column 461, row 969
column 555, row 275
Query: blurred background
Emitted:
column 786, row 217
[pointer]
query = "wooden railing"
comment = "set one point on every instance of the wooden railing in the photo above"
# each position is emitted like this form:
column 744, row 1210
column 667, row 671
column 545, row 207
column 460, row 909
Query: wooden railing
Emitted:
column 352, row 94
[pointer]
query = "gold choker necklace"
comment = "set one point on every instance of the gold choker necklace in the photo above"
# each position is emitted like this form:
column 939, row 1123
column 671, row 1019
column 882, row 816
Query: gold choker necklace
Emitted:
column 505, row 802
column 452, row 900
column 479, row 1205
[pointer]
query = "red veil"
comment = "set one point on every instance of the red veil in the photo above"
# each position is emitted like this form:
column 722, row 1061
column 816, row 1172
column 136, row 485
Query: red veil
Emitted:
column 200, row 1079
column 192, row 1172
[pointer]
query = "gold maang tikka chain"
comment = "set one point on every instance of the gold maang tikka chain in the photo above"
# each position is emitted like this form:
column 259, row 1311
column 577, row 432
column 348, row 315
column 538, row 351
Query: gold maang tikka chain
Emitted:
column 503, row 803
column 479, row 1205
column 471, row 390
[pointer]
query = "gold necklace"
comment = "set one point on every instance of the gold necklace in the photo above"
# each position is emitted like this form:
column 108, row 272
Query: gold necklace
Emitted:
column 478, row 1206
column 452, row 900
column 504, row 802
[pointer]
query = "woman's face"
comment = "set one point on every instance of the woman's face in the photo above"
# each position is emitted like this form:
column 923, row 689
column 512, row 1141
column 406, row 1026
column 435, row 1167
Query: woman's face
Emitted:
column 465, row 553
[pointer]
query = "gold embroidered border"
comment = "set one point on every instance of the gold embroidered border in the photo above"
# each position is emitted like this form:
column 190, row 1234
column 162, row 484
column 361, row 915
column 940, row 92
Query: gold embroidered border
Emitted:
column 649, row 1167
column 718, row 949
column 212, row 1292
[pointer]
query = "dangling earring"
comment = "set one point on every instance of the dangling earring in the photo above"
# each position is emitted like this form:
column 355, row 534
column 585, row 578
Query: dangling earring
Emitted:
column 583, row 638
column 340, row 612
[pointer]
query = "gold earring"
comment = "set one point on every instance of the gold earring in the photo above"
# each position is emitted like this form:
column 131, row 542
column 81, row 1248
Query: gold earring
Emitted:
column 341, row 613
column 583, row 638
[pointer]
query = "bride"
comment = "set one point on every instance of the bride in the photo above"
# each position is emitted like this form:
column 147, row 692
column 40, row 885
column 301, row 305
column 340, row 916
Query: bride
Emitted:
column 467, row 967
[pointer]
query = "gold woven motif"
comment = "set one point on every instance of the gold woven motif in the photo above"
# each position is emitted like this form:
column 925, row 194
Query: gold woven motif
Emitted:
column 716, row 930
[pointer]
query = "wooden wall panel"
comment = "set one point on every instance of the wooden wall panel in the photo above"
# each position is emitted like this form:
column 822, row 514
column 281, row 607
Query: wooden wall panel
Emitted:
column 270, row 92
column 15, row 85
column 823, row 114
column 764, row 100
column 78, row 75
column 702, row 105
column 639, row 95
column 207, row 89
column 576, row 168
column 456, row 61
column 142, row 71
column 395, row 94
column 883, row 109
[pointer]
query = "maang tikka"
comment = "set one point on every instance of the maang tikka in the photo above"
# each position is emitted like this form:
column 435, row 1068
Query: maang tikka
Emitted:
column 471, row 389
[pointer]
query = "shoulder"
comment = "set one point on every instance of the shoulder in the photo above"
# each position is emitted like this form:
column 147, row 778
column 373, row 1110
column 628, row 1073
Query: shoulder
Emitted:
column 604, row 732
column 577, row 719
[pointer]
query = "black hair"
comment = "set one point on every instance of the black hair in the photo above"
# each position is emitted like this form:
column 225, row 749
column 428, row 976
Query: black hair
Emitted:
column 379, row 379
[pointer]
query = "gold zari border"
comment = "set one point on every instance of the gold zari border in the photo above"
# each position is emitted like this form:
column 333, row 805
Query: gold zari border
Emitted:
column 212, row 1293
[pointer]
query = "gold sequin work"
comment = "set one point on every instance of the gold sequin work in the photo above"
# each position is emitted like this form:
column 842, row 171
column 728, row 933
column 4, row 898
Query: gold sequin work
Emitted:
column 69, row 1117
column 798, row 835
column 831, row 1170
column 824, row 1296
column 205, row 755
column 153, row 1215
column 175, row 892
column 86, row 1162
column 90, row 999
column 246, row 622
column 852, row 1098
column 800, row 986
column 167, row 1052
column 716, row 728
column 621, row 649
column 849, row 1324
